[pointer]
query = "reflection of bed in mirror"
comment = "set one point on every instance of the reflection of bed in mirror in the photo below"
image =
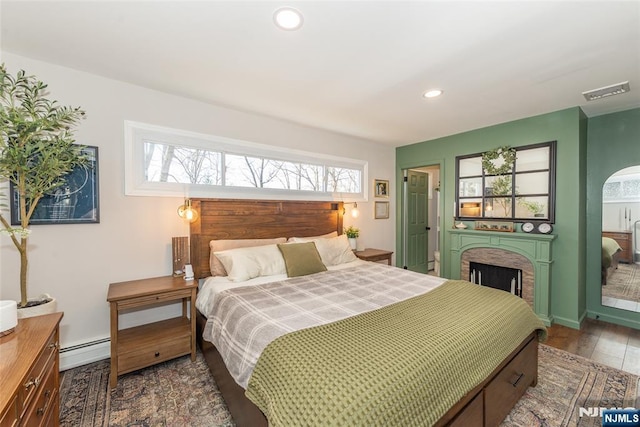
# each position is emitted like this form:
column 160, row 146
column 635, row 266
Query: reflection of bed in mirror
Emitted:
column 611, row 251
column 498, row 388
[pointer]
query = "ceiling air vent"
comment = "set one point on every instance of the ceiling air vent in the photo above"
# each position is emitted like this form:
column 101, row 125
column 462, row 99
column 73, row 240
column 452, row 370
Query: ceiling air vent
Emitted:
column 603, row 92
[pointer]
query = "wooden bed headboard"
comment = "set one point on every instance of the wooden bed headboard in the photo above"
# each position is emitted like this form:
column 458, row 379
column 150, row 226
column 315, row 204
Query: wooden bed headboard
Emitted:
column 257, row 219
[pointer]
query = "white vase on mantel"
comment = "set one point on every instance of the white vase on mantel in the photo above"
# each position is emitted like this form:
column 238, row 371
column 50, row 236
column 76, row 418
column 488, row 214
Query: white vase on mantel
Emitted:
column 353, row 242
column 40, row 309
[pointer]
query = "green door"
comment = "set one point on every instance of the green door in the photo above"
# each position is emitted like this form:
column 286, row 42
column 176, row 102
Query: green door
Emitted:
column 417, row 221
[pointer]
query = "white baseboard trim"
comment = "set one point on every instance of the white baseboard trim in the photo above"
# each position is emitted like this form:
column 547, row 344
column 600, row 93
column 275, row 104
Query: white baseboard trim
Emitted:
column 78, row 355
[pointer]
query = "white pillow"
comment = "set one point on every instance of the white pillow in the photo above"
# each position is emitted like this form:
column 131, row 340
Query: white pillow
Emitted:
column 246, row 263
column 334, row 250
column 312, row 238
column 217, row 269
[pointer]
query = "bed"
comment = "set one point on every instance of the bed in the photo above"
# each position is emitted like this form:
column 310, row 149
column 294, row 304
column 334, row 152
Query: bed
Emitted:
column 611, row 251
column 291, row 361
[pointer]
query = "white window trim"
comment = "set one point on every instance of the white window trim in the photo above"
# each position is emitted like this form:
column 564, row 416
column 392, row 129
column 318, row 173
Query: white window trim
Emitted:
column 135, row 185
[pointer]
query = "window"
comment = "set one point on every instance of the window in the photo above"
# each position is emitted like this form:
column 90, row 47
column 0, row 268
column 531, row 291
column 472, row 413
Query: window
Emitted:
column 519, row 187
column 162, row 161
column 622, row 187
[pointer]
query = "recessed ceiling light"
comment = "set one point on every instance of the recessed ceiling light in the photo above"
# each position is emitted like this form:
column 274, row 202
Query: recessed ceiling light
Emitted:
column 288, row 18
column 432, row 93
column 603, row 92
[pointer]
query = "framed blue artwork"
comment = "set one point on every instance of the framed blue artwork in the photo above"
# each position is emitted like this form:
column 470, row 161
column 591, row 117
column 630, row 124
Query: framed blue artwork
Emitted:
column 75, row 202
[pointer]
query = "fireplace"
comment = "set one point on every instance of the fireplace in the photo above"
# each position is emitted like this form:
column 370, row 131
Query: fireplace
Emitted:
column 501, row 258
column 497, row 277
column 530, row 253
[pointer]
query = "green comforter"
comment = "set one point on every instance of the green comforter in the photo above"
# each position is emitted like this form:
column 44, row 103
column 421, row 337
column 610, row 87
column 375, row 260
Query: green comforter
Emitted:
column 401, row 365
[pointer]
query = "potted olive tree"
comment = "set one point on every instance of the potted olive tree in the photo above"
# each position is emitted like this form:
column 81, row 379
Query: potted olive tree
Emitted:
column 37, row 150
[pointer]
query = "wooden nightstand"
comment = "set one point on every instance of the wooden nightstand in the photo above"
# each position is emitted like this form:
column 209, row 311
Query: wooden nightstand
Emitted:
column 145, row 345
column 370, row 254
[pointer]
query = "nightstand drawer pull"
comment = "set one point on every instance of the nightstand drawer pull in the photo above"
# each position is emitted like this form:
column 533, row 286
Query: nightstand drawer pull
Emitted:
column 518, row 380
column 157, row 354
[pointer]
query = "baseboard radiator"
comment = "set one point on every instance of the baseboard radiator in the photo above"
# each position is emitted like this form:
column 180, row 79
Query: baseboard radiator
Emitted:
column 85, row 353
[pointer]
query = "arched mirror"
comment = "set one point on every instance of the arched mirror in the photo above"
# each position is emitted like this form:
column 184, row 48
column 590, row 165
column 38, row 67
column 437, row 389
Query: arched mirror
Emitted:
column 621, row 240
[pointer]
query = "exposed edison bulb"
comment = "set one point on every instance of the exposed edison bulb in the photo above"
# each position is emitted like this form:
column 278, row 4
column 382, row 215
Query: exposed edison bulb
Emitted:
column 355, row 213
column 187, row 212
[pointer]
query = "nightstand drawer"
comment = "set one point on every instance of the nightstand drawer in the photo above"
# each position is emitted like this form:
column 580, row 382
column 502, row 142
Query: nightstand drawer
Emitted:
column 148, row 300
column 149, row 355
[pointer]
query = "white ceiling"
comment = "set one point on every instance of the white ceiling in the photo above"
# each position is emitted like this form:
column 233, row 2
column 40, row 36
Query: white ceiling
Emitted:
column 355, row 67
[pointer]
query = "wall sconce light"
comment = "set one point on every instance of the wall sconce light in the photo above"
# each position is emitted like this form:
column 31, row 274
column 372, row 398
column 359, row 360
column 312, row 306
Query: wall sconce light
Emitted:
column 354, row 212
column 187, row 212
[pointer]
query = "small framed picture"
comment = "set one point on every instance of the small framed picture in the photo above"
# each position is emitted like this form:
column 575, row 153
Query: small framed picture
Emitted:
column 504, row 226
column 382, row 210
column 381, row 188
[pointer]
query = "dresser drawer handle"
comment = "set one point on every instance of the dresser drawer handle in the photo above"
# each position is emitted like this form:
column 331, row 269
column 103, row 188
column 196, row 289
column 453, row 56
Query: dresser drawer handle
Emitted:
column 53, row 345
column 31, row 383
column 41, row 411
column 157, row 354
column 517, row 380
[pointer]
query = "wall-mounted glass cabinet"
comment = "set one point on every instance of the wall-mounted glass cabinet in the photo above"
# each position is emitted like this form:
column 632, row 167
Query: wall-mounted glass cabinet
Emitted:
column 517, row 184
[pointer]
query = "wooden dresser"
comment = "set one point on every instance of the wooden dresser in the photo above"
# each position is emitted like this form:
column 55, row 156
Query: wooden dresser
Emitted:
column 29, row 372
column 624, row 240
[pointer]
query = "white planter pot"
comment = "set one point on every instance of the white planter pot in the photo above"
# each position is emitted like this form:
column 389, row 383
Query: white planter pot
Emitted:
column 353, row 242
column 8, row 317
column 38, row 310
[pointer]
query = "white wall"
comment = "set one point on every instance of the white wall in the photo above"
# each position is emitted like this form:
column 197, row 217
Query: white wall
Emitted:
column 620, row 216
column 76, row 263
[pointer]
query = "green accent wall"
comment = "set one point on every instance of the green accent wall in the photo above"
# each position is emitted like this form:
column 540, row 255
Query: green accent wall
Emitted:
column 568, row 127
column 613, row 144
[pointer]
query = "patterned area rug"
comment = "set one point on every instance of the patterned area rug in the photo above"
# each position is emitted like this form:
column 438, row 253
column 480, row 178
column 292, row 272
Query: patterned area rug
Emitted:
column 624, row 283
column 181, row 393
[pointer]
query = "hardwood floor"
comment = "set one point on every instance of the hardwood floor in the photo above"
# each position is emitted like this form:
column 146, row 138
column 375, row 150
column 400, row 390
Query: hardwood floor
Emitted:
column 609, row 344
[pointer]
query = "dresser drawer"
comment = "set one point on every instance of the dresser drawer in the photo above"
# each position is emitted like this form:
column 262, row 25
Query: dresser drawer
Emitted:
column 11, row 414
column 148, row 355
column 39, row 370
column 616, row 236
column 45, row 400
column 510, row 384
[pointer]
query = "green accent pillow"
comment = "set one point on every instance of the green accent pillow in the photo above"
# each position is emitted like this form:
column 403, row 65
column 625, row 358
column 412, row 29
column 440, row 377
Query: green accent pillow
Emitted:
column 301, row 258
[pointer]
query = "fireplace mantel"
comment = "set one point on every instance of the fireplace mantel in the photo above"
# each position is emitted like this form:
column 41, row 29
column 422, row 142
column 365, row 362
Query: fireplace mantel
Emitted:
column 535, row 247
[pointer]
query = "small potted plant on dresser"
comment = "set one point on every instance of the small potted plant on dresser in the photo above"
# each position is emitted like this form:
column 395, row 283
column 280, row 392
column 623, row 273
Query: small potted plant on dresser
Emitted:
column 37, row 150
column 352, row 234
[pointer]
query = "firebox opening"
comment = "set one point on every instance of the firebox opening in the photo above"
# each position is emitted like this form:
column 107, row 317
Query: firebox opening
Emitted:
column 504, row 278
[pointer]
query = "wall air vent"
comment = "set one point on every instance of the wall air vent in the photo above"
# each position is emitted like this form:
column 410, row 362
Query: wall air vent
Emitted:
column 603, row 92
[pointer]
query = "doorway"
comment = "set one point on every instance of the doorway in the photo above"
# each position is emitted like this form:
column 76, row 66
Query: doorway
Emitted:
column 421, row 219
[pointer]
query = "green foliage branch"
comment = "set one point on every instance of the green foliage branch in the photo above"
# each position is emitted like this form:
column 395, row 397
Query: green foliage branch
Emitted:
column 352, row 232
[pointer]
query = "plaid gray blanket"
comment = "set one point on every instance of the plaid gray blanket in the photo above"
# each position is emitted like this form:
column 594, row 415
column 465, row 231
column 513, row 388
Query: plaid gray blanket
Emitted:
column 245, row 320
